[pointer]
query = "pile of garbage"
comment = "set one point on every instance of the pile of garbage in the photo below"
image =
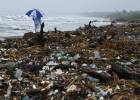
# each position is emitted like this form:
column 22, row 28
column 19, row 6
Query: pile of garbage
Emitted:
column 90, row 63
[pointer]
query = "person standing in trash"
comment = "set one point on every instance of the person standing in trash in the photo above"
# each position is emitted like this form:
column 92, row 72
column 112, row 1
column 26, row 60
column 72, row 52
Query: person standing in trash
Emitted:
column 37, row 23
column 36, row 16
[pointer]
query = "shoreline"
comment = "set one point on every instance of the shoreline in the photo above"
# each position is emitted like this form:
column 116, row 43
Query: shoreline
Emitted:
column 115, row 24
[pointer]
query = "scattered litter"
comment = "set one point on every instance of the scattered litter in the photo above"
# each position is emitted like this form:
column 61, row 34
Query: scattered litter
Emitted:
column 90, row 63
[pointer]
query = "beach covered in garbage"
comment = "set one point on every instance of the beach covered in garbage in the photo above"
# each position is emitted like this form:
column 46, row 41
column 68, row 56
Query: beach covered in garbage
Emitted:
column 90, row 63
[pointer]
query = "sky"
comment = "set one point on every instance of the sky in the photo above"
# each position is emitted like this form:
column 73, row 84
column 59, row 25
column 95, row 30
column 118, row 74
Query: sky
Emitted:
column 67, row 6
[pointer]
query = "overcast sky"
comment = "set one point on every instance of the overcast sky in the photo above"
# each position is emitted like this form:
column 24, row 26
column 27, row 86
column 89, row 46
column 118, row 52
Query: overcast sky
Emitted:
column 68, row 6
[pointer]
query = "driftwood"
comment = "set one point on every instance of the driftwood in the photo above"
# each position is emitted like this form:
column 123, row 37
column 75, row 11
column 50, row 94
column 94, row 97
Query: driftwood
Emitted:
column 103, row 77
column 125, row 72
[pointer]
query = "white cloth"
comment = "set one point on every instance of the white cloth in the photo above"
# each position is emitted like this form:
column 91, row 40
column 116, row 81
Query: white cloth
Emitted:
column 37, row 23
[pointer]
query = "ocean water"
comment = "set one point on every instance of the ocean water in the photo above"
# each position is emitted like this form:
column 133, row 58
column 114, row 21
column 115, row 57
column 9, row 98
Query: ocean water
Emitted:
column 20, row 24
